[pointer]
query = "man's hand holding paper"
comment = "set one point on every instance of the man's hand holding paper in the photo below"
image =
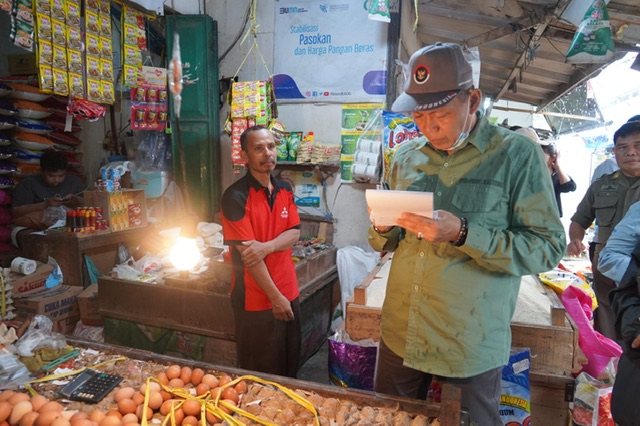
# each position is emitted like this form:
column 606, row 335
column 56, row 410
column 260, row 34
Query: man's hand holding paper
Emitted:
column 387, row 206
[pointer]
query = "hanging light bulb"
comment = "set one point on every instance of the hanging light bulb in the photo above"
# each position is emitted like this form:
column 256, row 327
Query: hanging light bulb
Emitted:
column 184, row 255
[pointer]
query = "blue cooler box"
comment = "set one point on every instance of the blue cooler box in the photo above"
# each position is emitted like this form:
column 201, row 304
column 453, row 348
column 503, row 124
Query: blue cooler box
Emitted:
column 154, row 183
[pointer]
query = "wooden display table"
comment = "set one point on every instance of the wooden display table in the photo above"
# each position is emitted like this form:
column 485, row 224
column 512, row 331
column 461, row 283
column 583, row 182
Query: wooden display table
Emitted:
column 448, row 411
column 68, row 249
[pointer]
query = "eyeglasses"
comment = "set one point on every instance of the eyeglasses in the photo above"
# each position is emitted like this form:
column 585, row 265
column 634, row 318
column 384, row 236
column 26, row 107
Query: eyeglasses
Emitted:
column 623, row 147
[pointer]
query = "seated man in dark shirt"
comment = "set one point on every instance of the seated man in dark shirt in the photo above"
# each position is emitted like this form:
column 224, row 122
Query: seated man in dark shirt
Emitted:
column 52, row 187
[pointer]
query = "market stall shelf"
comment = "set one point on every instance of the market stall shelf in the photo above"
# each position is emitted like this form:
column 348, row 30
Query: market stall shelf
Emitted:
column 69, row 251
column 547, row 330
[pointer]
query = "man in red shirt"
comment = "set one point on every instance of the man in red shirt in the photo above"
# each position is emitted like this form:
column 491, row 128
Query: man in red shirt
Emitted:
column 260, row 225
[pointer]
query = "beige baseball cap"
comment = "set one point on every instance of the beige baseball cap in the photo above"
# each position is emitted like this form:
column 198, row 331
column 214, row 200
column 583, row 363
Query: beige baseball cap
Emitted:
column 438, row 73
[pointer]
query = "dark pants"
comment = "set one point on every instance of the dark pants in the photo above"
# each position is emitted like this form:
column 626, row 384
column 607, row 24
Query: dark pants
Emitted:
column 604, row 320
column 480, row 394
column 266, row 344
column 624, row 400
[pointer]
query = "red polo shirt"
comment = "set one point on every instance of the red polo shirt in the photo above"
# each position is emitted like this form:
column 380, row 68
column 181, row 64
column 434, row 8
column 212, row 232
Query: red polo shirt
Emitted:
column 249, row 212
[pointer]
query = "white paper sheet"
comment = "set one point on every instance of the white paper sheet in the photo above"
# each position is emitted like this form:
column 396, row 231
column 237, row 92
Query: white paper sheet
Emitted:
column 386, row 205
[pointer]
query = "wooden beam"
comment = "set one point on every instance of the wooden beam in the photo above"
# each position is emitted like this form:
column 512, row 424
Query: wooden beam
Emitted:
column 548, row 19
column 555, row 114
column 577, row 78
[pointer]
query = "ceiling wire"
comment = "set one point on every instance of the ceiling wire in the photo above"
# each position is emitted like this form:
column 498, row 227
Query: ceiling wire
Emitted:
column 245, row 19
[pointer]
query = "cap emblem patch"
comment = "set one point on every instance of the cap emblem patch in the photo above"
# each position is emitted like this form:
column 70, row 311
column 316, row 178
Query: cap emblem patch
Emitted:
column 421, row 74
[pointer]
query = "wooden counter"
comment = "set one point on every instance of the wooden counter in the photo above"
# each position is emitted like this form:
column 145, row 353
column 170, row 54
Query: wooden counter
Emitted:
column 68, row 250
column 206, row 315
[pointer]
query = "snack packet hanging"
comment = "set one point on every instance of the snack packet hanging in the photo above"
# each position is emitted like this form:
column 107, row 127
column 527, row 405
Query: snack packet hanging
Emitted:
column 593, row 41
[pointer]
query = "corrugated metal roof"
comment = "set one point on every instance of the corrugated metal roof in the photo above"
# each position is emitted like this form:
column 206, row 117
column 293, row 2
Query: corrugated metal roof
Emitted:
column 522, row 44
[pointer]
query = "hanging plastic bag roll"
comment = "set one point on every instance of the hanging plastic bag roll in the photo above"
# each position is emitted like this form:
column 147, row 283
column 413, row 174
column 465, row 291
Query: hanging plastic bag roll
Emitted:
column 368, row 145
column 24, row 266
column 367, row 158
column 364, row 171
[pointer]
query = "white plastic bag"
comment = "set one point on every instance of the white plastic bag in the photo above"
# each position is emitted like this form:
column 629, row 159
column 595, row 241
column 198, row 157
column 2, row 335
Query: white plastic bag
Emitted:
column 353, row 266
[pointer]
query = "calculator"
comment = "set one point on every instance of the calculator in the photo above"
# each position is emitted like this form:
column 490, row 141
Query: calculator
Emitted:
column 90, row 386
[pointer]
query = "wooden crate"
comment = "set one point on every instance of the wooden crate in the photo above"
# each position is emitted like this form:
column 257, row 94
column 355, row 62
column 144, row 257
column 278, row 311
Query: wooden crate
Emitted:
column 551, row 396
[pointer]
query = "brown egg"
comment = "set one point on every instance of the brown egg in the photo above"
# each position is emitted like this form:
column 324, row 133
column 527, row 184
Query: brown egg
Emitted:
column 138, row 398
column 60, row 421
column 50, row 406
column 124, row 393
column 178, row 414
column 224, row 379
column 67, row 414
column 230, row 393
column 185, row 374
column 78, row 416
column 241, row 387
column 166, row 395
column 155, row 400
column 191, row 407
column 202, row 388
column 215, row 392
column 165, row 408
column 17, row 397
column 173, row 372
column 29, row 418
column 19, row 409
column 37, row 401
column 110, row 421
column 213, row 419
column 5, row 410
column 176, row 383
column 153, row 387
column 190, row 421
column 84, row 422
column 196, row 376
column 228, row 402
column 139, row 412
column 162, row 378
column 129, row 418
column 126, row 406
column 47, row 417
column 114, row 413
column 5, row 395
column 210, row 380
column 97, row 416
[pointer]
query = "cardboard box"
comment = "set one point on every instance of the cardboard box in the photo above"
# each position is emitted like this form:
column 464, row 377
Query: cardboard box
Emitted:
column 115, row 207
column 23, row 284
column 88, row 303
column 65, row 325
column 56, row 303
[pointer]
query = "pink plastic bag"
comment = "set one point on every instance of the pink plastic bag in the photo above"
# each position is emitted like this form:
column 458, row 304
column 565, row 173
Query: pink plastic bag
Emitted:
column 598, row 349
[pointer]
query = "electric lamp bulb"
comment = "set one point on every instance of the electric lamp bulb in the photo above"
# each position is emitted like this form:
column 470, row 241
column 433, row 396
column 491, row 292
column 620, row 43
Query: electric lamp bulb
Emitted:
column 185, row 254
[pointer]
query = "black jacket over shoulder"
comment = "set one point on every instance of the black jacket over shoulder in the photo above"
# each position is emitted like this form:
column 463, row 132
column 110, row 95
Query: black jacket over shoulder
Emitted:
column 625, row 301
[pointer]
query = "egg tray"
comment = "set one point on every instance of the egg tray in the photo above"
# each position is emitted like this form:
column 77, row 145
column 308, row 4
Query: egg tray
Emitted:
column 334, row 405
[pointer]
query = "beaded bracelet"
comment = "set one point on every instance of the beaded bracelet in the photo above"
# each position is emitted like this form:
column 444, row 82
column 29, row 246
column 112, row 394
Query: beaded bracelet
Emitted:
column 464, row 230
